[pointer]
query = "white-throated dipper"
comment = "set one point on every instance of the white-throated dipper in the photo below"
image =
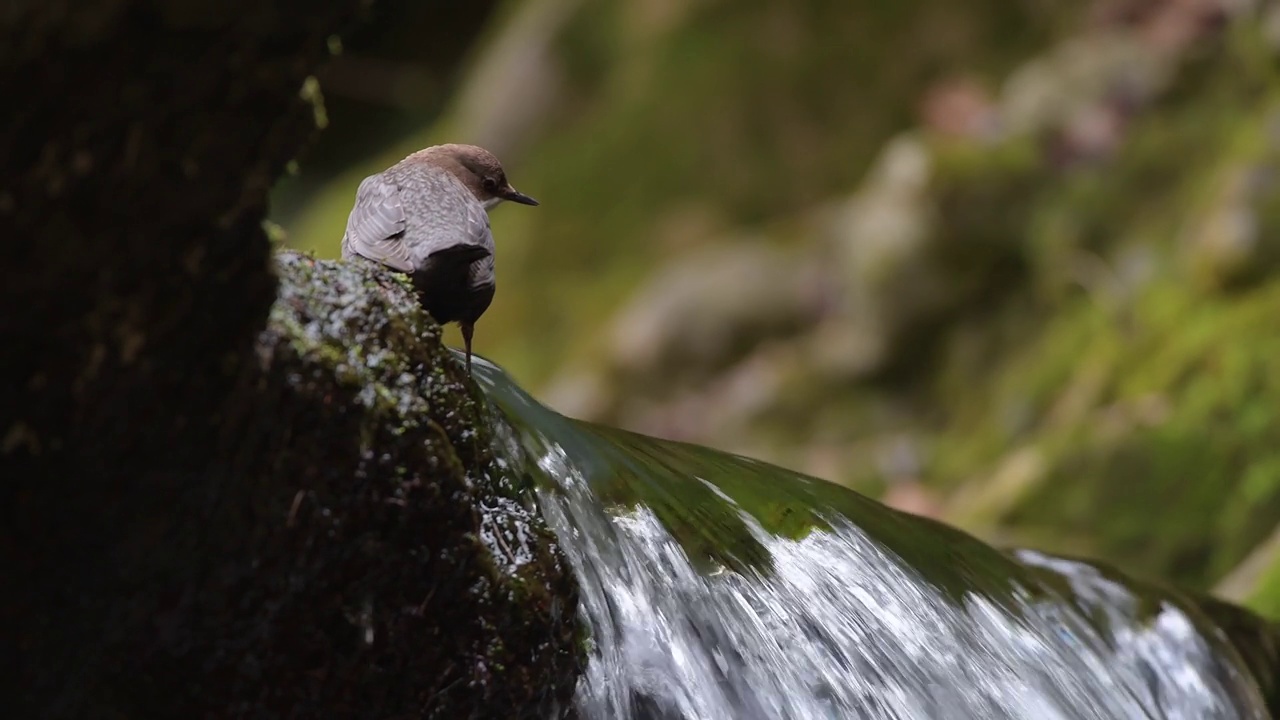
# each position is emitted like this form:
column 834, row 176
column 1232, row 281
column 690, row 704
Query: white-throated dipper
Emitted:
column 427, row 216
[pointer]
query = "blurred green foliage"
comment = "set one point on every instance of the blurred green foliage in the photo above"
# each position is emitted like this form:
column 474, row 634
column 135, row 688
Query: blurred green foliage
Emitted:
column 752, row 109
column 1151, row 409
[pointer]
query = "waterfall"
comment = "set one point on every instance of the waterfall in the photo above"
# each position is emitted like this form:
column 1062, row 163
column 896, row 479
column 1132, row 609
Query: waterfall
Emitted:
column 716, row 587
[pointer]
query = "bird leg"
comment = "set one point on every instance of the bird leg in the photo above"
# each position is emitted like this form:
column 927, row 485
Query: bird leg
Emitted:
column 468, row 329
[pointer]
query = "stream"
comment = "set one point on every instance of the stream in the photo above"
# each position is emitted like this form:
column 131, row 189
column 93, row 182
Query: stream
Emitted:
column 720, row 588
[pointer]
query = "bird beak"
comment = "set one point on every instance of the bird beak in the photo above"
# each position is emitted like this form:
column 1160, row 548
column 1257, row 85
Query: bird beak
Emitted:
column 510, row 193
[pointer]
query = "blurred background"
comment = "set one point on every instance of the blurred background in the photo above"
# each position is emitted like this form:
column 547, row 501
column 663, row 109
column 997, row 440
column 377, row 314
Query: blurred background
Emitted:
column 1014, row 264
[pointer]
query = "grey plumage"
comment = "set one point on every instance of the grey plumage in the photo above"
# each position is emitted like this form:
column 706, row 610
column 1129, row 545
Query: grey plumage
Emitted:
column 402, row 230
column 425, row 216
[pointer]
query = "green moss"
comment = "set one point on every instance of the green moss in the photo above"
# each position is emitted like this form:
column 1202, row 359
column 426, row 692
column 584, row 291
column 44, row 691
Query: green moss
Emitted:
column 1172, row 464
column 1158, row 431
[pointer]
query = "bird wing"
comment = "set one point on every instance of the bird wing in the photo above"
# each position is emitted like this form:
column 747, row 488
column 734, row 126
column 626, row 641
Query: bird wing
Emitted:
column 375, row 227
column 460, row 239
column 480, row 242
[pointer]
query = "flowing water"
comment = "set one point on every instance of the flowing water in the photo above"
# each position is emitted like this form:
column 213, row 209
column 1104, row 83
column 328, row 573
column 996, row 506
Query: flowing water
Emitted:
column 719, row 587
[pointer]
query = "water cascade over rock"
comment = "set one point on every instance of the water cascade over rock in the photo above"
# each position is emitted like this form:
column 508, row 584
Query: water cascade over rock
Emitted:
column 720, row 587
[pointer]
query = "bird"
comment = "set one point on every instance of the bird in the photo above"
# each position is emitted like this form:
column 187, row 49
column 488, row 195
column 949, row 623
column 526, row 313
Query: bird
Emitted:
column 428, row 216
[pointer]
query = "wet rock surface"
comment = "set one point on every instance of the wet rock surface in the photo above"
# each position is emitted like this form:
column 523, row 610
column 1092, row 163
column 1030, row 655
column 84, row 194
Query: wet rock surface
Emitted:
column 407, row 555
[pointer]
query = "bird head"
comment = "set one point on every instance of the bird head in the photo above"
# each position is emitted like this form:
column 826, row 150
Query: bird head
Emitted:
column 480, row 171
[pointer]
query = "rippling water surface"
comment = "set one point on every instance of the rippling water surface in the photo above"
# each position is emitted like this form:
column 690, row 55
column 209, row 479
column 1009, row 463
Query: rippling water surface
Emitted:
column 719, row 587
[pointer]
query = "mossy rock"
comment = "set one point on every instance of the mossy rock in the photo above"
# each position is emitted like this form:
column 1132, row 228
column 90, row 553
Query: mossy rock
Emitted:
column 411, row 558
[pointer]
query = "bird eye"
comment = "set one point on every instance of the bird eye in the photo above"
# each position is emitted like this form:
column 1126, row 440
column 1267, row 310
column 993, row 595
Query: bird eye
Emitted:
column 490, row 183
